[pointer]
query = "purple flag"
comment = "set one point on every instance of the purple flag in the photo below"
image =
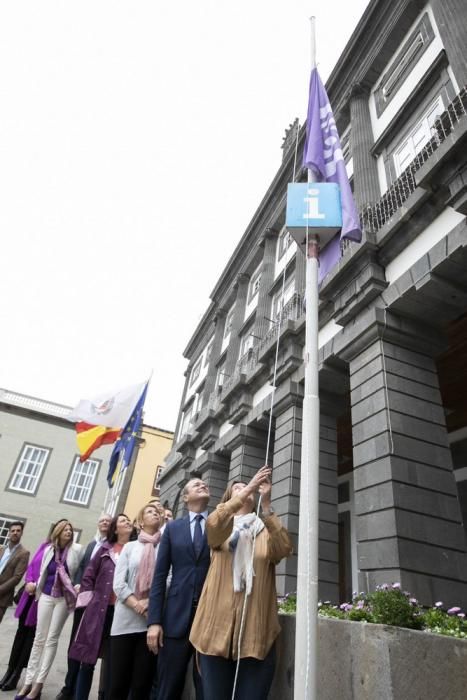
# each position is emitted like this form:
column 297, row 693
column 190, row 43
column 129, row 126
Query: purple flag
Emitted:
column 323, row 155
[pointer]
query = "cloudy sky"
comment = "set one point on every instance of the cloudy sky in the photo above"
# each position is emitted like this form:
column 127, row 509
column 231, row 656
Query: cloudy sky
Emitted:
column 136, row 141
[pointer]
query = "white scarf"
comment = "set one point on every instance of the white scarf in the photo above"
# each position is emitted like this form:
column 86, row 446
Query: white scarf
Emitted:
column 245, row 528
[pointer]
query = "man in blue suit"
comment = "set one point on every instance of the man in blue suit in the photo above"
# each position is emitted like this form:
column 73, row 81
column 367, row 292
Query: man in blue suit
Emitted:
column 184, row 548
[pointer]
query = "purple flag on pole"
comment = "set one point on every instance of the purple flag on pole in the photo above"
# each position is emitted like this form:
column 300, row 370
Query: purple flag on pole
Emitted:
column 323, row 155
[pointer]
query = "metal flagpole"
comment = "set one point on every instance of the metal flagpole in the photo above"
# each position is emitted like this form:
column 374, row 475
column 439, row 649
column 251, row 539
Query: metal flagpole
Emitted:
column 306, row 634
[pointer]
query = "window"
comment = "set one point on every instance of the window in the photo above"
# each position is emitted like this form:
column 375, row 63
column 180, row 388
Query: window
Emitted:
column 279, row 301
column 285, row 241
column 195, row 371
column 255, row 284
column 221, row 377
column 419, row 135
column 228, row 322
column 81, row 481
column 156, row 488
column 208, row 352
column 5, row 523
column 403, row 63
column 247, row 344
column 29, row 469
column 186, row 421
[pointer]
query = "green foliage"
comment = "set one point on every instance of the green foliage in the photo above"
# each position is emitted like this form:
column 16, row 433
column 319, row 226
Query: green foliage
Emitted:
column 440, row 622
column 388, row 605
column 392, row 607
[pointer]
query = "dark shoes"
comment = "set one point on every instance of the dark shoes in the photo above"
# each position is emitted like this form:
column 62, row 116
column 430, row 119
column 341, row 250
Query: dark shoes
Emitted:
column 64, row 694
column 10, row 680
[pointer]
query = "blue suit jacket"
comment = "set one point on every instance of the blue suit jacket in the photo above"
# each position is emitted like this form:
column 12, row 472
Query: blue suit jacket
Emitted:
column 188, row 574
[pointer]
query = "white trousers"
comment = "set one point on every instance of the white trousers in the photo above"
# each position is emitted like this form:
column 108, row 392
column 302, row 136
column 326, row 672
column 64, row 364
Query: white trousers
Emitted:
column 51, row 616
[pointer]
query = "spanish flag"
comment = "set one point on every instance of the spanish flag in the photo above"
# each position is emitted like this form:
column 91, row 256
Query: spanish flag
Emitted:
column 90, row 437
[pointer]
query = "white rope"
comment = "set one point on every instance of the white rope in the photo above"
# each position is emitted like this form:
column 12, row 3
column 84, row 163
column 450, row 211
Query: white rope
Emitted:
column 268, row 444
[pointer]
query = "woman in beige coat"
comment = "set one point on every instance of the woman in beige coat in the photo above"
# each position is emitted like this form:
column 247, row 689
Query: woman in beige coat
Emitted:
column 233, row 529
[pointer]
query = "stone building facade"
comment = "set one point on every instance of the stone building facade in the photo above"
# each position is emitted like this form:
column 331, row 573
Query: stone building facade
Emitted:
column 393, row 327
column 41, row 477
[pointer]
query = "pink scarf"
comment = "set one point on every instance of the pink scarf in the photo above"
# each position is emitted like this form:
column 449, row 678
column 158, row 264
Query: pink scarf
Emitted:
column 62, row 585
column 146, row 565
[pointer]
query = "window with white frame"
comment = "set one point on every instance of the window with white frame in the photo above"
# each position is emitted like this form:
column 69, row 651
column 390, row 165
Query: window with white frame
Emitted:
column 419, row 135
column 221, row 377
column 29, row 469
column 285, row 241
column 81, row 482
column 247, row 343
column 280, row 299
column 228, row 322
column 208, row 352
column 186, row 421
column 156, row 488
column 255, row 284
column 195, row 372
column 5, row 524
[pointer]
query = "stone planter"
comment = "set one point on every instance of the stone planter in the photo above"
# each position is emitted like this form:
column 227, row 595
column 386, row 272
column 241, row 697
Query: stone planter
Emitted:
column 361, row 661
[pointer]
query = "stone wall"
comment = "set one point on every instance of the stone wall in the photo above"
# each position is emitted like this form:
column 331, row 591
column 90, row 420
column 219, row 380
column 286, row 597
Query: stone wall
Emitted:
column 359, row 661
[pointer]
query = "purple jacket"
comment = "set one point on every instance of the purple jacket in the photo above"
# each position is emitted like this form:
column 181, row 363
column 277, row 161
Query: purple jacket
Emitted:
column 98, row 579
column 31, row 576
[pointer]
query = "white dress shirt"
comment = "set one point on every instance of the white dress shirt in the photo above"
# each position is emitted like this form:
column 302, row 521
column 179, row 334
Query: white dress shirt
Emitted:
column 193, row 521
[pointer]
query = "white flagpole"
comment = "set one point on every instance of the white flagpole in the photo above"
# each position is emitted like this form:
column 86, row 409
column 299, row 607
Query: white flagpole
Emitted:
column 306, row 634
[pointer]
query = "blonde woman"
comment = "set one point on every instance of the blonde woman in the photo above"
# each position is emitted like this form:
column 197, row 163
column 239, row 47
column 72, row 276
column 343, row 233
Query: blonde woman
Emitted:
column 132, row 665
column 245, row 551
column 56, row 597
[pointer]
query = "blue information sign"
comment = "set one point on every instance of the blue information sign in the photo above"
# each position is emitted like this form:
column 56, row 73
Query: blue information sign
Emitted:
column 316, row 206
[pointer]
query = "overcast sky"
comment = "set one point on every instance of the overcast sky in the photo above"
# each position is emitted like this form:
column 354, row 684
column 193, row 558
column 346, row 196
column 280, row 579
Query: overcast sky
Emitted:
column 136, row 142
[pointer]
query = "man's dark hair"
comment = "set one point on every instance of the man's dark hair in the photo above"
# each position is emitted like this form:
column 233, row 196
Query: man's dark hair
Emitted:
column 17, row 523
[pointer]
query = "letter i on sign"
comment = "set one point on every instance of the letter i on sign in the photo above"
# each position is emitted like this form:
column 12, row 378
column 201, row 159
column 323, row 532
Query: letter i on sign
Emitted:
column 313, row 205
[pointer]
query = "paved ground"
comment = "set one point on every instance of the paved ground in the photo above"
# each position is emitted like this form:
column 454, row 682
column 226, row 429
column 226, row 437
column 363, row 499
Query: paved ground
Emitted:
column 57, row 674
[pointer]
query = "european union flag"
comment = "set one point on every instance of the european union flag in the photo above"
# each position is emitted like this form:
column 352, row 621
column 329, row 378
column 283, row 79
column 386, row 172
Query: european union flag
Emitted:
column 123, row 449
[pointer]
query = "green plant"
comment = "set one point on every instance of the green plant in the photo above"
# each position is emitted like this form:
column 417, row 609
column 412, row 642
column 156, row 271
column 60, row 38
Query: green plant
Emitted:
column 390, row 606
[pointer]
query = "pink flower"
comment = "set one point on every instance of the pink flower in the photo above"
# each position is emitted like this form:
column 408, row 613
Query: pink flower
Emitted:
column 453, row 611
column 396, row 586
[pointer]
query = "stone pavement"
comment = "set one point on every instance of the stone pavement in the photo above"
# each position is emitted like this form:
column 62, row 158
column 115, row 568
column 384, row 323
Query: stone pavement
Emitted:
column 58, row 671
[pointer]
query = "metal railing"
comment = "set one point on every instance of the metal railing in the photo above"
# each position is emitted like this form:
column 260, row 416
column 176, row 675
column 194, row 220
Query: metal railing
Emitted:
column 375, row 216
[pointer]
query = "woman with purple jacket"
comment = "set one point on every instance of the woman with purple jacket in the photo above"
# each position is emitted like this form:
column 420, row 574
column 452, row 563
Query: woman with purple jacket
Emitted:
column 26, row 612
column 96, row 593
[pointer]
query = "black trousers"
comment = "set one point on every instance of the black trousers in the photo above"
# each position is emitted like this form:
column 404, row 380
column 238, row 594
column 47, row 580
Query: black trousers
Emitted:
column 253, row 682
column 22, row 643
column 132, row 667
column 172, row 664
column 73, row 665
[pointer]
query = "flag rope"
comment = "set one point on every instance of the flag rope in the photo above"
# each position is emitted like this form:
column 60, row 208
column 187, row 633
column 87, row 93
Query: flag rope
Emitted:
column 268, row 443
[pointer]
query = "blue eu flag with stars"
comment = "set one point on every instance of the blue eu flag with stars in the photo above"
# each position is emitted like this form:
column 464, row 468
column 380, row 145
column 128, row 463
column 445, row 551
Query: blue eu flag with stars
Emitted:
column 123, row 449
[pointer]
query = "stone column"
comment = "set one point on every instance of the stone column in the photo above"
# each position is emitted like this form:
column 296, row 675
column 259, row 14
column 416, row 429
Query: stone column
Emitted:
column 300, row 272
column 451, row 19
column 214, row 469
column 286, row 493
column 248, row 451
column 409, row 525
column 209, row 385
column 366, row 183
column 237, row 320
column 269, row 242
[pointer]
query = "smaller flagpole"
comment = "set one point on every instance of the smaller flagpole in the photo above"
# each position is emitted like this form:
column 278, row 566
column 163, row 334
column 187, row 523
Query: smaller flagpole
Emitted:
column 306, row 632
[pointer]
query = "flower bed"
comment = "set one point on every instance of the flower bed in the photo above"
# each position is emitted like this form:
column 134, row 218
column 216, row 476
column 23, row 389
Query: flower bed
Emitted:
column 389, row 605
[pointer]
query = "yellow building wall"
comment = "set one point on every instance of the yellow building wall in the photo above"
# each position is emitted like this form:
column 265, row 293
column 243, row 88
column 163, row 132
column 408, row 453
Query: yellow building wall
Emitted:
column 155, row 445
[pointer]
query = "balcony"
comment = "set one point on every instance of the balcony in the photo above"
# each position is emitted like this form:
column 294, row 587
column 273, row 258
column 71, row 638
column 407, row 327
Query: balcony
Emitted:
column 375, row 216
